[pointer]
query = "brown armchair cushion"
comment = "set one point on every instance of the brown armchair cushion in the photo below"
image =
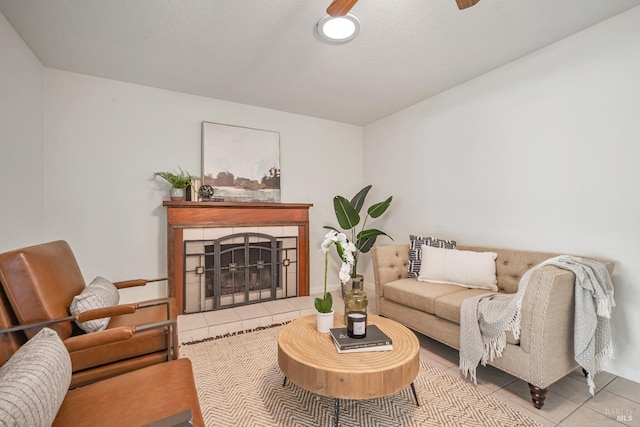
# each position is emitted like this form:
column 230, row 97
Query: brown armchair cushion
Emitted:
column 136, row 398
column 40, row 282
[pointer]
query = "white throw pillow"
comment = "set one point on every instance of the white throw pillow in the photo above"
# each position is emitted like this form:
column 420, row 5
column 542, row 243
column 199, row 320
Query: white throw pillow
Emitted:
column 34, row 381
column 464, row 268
column 415, row 251
column 99, row 293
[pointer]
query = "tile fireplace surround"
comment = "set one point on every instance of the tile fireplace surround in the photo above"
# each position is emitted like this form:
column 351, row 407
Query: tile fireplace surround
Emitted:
column 207, row 221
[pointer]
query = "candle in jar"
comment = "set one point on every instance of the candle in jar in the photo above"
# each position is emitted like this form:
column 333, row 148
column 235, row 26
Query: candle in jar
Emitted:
column 357, row 324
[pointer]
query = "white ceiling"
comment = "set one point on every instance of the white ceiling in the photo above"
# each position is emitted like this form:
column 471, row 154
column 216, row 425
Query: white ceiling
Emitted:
column 265, row 53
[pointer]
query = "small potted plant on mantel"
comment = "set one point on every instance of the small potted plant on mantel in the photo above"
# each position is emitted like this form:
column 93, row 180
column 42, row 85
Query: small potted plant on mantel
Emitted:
column 179, row 182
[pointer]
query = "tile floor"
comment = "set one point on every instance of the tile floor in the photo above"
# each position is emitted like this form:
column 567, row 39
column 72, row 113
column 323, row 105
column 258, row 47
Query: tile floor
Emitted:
column 616, row 402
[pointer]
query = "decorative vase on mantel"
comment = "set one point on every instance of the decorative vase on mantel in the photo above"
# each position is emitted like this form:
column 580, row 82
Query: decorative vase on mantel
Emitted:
column 324, row 322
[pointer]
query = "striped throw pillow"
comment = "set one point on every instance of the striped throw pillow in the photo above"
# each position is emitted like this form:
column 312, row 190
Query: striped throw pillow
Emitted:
column 34, row 382
column 97, row 294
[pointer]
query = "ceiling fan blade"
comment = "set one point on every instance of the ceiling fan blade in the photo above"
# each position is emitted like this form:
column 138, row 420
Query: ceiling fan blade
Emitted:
column 463, row 4
column 340, row 7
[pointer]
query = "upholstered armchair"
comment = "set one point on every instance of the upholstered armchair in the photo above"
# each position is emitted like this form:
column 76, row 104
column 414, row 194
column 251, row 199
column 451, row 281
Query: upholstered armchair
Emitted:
column 41, row 284
column 35, row 376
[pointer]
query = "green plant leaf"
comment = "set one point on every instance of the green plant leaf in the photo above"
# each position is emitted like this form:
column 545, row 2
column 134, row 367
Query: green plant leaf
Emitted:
column 347, row 216
column 323, row 305
column 358, row 200
column 371, row 232
column 379, row 208
column 340, row 251
column 367, row 238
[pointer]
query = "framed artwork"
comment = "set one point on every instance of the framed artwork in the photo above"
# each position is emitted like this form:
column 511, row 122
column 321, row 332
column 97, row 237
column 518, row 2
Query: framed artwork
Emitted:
column 241, row 164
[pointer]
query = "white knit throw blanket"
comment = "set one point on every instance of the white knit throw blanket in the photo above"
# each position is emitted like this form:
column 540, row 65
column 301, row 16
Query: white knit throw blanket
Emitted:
column 486, row 319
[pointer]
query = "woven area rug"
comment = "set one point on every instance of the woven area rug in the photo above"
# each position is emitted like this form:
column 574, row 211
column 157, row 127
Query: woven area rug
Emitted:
column 239, row 384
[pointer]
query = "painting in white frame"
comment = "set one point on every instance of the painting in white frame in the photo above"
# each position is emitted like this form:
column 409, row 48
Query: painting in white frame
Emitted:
column 241, row 164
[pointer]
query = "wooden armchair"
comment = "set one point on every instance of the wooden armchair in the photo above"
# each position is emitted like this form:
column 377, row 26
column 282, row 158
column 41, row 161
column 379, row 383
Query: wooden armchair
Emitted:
column 39, row 284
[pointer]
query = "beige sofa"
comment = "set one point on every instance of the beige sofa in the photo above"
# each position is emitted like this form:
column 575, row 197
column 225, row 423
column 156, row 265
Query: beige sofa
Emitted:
column 544, row 352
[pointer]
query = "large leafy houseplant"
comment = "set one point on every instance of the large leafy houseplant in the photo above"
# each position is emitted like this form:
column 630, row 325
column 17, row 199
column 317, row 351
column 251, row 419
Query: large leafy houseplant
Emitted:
column 348, row 216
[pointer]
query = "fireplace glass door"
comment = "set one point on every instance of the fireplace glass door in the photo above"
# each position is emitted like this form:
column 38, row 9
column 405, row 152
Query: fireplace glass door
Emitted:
column 239, row 269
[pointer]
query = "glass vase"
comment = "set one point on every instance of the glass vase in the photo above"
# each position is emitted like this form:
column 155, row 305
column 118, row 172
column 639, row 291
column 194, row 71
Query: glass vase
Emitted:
column 357, row 281
column 356, row 298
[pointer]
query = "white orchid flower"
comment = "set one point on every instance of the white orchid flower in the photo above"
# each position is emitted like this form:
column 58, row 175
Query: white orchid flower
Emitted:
column 329, row 239
column 347, row 248
column 345, row 272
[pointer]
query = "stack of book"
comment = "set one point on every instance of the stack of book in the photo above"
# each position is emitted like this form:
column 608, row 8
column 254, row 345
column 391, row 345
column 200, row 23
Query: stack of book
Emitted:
column 376, row 340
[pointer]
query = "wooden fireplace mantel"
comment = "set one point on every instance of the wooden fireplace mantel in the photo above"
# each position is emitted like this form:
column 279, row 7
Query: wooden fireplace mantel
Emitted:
column 181, row 215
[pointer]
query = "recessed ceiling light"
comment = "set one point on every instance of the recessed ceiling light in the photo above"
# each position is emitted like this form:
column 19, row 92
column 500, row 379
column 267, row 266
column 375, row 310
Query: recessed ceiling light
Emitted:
column 340, row 29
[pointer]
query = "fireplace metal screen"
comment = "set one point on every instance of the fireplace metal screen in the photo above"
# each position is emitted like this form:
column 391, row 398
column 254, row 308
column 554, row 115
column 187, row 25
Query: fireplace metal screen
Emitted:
column 239, row 269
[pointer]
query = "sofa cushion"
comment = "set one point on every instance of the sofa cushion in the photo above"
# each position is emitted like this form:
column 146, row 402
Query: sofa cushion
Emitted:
column 99, row 293
column 419, row 295
column 512, row 264
column 448, row 306
column 34, row 382
column 464, row 268
column 415, row 250
column 439, row 299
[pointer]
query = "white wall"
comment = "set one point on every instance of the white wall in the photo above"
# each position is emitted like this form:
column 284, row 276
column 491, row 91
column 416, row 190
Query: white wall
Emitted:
column 104, row 139
column 541, row 154
column 21, row 138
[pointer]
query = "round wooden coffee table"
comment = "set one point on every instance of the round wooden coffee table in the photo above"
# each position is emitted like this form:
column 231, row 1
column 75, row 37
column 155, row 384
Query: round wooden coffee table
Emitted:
column 310, row 360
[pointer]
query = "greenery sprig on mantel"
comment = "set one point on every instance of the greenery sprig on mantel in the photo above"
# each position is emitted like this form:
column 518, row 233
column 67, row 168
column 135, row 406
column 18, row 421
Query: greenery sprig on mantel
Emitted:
column 177, row 180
